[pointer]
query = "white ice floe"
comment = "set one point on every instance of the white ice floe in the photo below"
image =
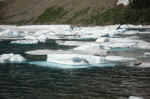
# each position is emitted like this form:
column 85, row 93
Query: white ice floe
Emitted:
column 145, row 65
column 103, row 34
column 123, row 2
column 46, row 51
column 11, row 58
column 41, row 52
column 102, row 40
column 89, row 46
column 71, row 43
column 56, row 65
column 143, row 45
column 66, row 66
column 127, row 61
column 92, row 48
column 147, row 54
column 119, row 59
column 110, row 43
column 9, row 33
column 135, row 97
column 48, row 31
column 24, row 42
column 74, row 59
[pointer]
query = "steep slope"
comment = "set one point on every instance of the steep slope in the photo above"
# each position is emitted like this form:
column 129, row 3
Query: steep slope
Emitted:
column 28, row 11
column 78, row 12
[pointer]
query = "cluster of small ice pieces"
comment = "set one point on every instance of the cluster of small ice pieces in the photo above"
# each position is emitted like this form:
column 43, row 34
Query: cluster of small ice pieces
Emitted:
column 40, row 33
column 106, row 39
column 11, row 58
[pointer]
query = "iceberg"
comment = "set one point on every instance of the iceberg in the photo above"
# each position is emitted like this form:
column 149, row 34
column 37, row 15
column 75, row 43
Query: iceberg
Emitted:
column 11, row 58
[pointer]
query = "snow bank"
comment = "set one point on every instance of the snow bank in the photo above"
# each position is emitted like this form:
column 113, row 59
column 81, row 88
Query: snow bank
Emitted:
column 123, row 2
column 134, row 97
column 11, row 58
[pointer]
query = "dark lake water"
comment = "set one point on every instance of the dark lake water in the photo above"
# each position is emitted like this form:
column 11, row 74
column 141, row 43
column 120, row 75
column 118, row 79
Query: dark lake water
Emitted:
column 26, row 81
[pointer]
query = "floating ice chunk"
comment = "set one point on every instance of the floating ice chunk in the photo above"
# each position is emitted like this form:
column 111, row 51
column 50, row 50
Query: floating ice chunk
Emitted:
column 145, row 65
column 11, row 58
column 72, row 43
column 45, row 52
column 38, row 37
column 74, row 59
column 92, row 48
column 135, row 97
column 24, row 42
column 123, row 2
column 111, row 45
column 102, row 40
column 119, row 59
column 143, row 45
column 55, row 65
column 115, row 40
column 40, row 52
column 147, row 54
column 89, row 46
column 9, row 33
column 66, row 66
column 127, row 61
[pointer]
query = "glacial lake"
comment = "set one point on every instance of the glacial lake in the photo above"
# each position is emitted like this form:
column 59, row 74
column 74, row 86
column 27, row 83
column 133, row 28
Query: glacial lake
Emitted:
column 29, row 81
